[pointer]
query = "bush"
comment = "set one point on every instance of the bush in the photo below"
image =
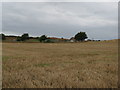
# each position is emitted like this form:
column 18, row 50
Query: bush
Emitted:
column 42, row 38
column 2, row 37
column 18, row 39
column 48, row 41
column 25, row 37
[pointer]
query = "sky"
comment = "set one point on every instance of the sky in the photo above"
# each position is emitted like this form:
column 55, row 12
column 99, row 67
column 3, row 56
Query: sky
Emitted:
column 61, row 19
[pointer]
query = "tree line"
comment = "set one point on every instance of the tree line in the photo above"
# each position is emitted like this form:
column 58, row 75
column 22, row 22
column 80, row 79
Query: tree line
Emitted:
column 80, row 36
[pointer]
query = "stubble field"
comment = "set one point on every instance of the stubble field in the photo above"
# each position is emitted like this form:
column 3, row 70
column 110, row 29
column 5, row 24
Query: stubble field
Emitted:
column 60, row 65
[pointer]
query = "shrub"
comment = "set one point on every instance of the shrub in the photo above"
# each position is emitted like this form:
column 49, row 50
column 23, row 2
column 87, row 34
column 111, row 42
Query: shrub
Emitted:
column 42, row 38
column 25, row 37
column 2, row 37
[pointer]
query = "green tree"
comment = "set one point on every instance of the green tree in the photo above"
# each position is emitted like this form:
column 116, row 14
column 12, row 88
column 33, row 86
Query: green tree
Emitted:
column 25, row 37
column 42, row 38
column 2, row 36
column 81, row 36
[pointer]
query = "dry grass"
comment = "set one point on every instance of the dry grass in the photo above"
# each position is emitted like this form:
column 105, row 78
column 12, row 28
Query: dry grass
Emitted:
column 0, row 65
column 60, row 65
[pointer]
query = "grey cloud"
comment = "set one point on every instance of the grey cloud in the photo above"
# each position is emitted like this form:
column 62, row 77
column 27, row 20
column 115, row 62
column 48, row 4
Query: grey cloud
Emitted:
column 64, row 19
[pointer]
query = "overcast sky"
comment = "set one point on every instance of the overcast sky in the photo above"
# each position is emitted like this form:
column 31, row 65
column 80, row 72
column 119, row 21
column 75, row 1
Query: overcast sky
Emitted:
column 61, row 19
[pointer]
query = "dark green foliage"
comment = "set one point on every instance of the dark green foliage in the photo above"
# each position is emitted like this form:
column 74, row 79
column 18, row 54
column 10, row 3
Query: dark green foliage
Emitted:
column 42, row 38
column 18, row 39
column 2, row 37
column 25, row 37
column 37, row 37
column 49, row 41
column 81, row 36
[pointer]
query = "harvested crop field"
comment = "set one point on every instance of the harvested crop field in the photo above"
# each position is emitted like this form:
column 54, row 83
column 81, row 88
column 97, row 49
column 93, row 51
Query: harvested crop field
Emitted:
column 60, row 65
